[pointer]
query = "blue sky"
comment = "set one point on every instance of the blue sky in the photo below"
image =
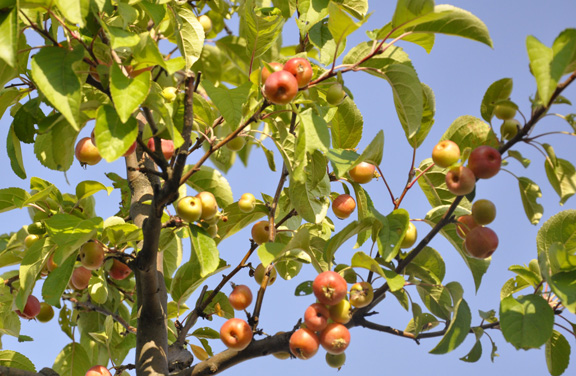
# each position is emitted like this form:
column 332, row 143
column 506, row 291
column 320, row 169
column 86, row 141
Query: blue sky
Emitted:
column 459, row 71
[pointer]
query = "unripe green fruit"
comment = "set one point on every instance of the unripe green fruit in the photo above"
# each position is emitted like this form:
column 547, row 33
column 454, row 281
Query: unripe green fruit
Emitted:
column 335, row 360
column 504, row 111
column 169, row 93
column 410, row 237
column 259, row 275
column 46, row 312
column 483, row 211
column 92, row 255
column 509, row 129
column 236, row 144
column 335, row 94
column 37, row 228
column 247, row 203
column 206, row 23
column 31, row 239
column 446, row 153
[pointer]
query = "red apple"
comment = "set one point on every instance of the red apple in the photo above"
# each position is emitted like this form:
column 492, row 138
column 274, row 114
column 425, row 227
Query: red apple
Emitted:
column 280, row 87
column 80, row 278
column 236, row 334
column 481, row 242
column 167, row 147
column 98, row 371
column 343, row 206
column 86, row 152
column 119, row 270
column 265, row 73
column 464, row 224
column 460, row 180
column 485, row 161
column 301, row 69
column 362, row 173
column 31, row 309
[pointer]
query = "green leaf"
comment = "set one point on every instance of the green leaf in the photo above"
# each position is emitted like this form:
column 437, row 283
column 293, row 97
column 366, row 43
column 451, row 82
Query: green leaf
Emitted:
column 362, row 260
column 128, row 93
column 15, row 153
column 87, row 188
column 321, row 37
column 228, row 101
column 340, row 24
column 392, row 233
column 74, row 11
column 30, row 268
column 268, row 252
column 449, row 20
column 497, row 91
column 437, row 299
column 211, row 180
column 408, row 96
column 562, row 176
column 516, row 155
column 187, row 279
column 408, row 10
column 206, row 332
column 428, row 113
column 55, row 149
column 564, row 48
column 310, row 188
column 9, row 34
column 478, row 267
column 53, row 74
column 113, row 136
column 457, row 330
column 343, row 235
column 428, row 266
column 8, row 96
column 311, row 12
column 469, row 131
column 261, row 29
column 189, row 34
column 204, row 252
column 530, row 193
column 70, row 232
column 120, row 38
column 12, row 198
column 557, row 354
column 476, row 352
column 526, row 322
column 373, row 152
column 57, row 281
column 13, row 359
column 72, row 360
column 346, row 126
column 312, row 134
column 342, row 160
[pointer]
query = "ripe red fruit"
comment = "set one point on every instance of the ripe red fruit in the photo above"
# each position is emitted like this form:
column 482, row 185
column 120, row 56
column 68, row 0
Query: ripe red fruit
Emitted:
column 445, row 153
column 329, row 287
column 304, row 343
column 240, row 297
column 86, row 152
column 362, row 173
column 361, row 294
column 92, row 255
column 485, row 161
column 301, row 69
column 280, row 87
column 460, row 181
column 464, row 225
column 98, row 371
column 343, row 206
column 483, row 211
column 316, row 317
column 31, row 309
column 335, row 338
column 481, row 242
column 119, row 270
column 265, row 73
column 167, row 147
column 236, row 334
column 261, row 232
column 80, row 278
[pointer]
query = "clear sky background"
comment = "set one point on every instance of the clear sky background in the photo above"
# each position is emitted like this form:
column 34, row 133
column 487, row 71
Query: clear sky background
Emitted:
column 459, row 71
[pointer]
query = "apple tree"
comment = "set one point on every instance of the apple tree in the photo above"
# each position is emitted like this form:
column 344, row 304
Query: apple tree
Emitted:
column 170, row 90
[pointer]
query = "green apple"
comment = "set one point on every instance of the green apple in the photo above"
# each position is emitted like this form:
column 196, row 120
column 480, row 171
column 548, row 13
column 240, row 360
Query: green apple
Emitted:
column 189, row 208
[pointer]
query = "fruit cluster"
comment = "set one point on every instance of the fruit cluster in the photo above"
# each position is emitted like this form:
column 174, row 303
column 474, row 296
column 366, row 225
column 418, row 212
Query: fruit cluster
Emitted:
column 87, row 152
column 201, row 208
column 324, row 321
column 282, row 81
column 484, row 162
